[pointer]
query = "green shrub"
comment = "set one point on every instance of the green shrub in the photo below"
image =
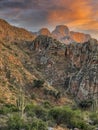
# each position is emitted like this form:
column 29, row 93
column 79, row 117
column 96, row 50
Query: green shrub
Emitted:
column 29, row 110
column 15, row 122
column 37, row 111
column 65, row 115
column 61, row 115
column 39, row 125
column 8, row 108
column 41, row 112
column 47, row 104
column 78, row 123
column 38, row 83
column 94, row 118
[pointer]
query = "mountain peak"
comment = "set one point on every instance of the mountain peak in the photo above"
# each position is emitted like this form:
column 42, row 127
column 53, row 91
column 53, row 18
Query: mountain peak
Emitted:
column 44, row 31
column 62, row 29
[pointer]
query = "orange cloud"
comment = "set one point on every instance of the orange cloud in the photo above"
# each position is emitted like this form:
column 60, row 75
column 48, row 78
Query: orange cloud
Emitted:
column 77, row 14
column 68, row 11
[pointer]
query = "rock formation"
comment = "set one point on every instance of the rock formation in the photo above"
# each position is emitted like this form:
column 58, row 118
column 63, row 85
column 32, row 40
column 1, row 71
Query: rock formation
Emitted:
column 73, row 66
column 82, row 74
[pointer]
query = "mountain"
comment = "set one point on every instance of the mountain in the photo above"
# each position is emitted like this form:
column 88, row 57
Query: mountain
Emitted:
column 18, row 65
column 64, row 35
column 57, row 63
column 45, row 81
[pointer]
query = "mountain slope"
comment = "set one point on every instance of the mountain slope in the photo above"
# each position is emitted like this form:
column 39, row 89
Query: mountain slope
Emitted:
column 43, row 81
column 18, row 67
column 12, row 33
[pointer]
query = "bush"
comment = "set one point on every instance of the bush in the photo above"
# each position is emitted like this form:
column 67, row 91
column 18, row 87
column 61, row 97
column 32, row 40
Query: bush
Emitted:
column 37, row 111
column 47, row 104
column 78, row 123
column 39, row 125
column 94, row 118
column 38, row 83
column 65, row 115
column 41, row 112
column 15, row 122
column 61, row 115
column 8, row 108
column 29, row 110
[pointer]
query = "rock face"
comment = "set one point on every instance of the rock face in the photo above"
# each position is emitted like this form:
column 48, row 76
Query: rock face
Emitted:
column 73, row 66
column 83, row 69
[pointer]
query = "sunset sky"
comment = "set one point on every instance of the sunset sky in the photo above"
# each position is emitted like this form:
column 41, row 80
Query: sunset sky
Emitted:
column 78, row 15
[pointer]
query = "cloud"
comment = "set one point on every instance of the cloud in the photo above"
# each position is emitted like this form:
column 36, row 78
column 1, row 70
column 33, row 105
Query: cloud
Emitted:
column 80, row 15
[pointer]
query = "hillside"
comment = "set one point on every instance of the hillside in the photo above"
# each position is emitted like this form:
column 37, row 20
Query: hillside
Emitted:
column 48, row 79
column 12, row 33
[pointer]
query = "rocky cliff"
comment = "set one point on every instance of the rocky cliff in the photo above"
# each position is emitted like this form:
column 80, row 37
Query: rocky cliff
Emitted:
column 82, row 79
column 73, row 66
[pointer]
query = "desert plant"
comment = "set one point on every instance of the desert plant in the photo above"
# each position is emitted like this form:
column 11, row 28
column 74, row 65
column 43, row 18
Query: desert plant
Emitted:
column 15, row 122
